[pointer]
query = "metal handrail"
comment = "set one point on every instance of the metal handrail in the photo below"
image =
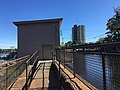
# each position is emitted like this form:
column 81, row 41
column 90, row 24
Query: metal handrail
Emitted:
column 14, row 63
column 32, row 56
column 94, row 45
column 100, row 53
column 101, row 60
column 67, row 77
column 30, row 73
column 9, row 71
column 81, row 79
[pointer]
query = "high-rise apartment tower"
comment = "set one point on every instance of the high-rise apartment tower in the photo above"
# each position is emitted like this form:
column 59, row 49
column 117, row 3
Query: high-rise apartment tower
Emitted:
column 78, row 34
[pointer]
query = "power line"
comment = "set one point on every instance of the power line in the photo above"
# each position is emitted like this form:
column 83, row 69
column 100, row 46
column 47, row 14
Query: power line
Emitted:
column 88, row 37
column 68, row 29
column 65, row 36
column 96, row 36
column 71, row 36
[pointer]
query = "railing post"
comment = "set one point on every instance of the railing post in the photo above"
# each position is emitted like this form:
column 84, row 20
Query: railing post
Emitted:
column 6, row 76
column 53, row 56
column 56, row 54
column 16, row 71
column 74, row 62
column 59, row 75
column 26, row 86
column 104, row 73
column 64, row 57
column 43, row 76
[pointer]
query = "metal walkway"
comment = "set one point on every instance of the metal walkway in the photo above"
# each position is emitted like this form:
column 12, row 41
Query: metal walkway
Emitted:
column 41, row 79
column 30, row 73
column 46, row 78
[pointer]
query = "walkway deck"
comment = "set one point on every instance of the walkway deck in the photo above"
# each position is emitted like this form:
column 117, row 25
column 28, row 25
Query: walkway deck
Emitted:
column 45, row 78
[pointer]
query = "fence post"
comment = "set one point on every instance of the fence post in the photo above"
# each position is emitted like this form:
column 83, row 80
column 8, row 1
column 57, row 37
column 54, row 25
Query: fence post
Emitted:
column 53, row 56
column 56, row 54
column 64, row 57
column 26, row 77
column 59, row 75
column 74, row 62
column 104, row 73
column 6, row 76
column 43, row 76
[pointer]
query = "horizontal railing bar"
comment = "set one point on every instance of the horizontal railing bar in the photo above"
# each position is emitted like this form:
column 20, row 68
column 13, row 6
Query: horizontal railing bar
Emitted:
column 7, row 62
column 98, row 64
column 11, row 65
column 15, row 65
column 32, row 56
column 94, row 75
column 92, row 45
column 101, row 53
column 84, row 81
column 93, row 63
column 94, row 69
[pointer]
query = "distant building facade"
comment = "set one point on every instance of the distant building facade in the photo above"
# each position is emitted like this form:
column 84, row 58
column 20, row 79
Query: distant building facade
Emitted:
column 40, row 35
column 78, row 34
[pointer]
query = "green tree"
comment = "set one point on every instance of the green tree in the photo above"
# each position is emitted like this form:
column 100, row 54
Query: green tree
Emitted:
column 76, row 42
column 101, row 40
column 113, row 27
column 69, row 43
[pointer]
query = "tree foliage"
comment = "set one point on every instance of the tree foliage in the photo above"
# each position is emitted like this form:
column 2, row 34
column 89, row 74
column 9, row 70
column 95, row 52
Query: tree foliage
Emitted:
column 70, row 43
column 113, row 27
column 101, row 40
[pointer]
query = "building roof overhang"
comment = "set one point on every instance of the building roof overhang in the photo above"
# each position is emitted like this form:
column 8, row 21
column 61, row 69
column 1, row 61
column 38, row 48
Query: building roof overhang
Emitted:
column 57, row 20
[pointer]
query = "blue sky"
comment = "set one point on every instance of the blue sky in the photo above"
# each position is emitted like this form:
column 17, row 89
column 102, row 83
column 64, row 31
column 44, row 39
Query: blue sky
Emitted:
column 92, row 13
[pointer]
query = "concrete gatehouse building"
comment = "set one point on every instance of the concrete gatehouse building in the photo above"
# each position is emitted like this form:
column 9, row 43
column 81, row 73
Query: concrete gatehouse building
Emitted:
column 40, row 35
